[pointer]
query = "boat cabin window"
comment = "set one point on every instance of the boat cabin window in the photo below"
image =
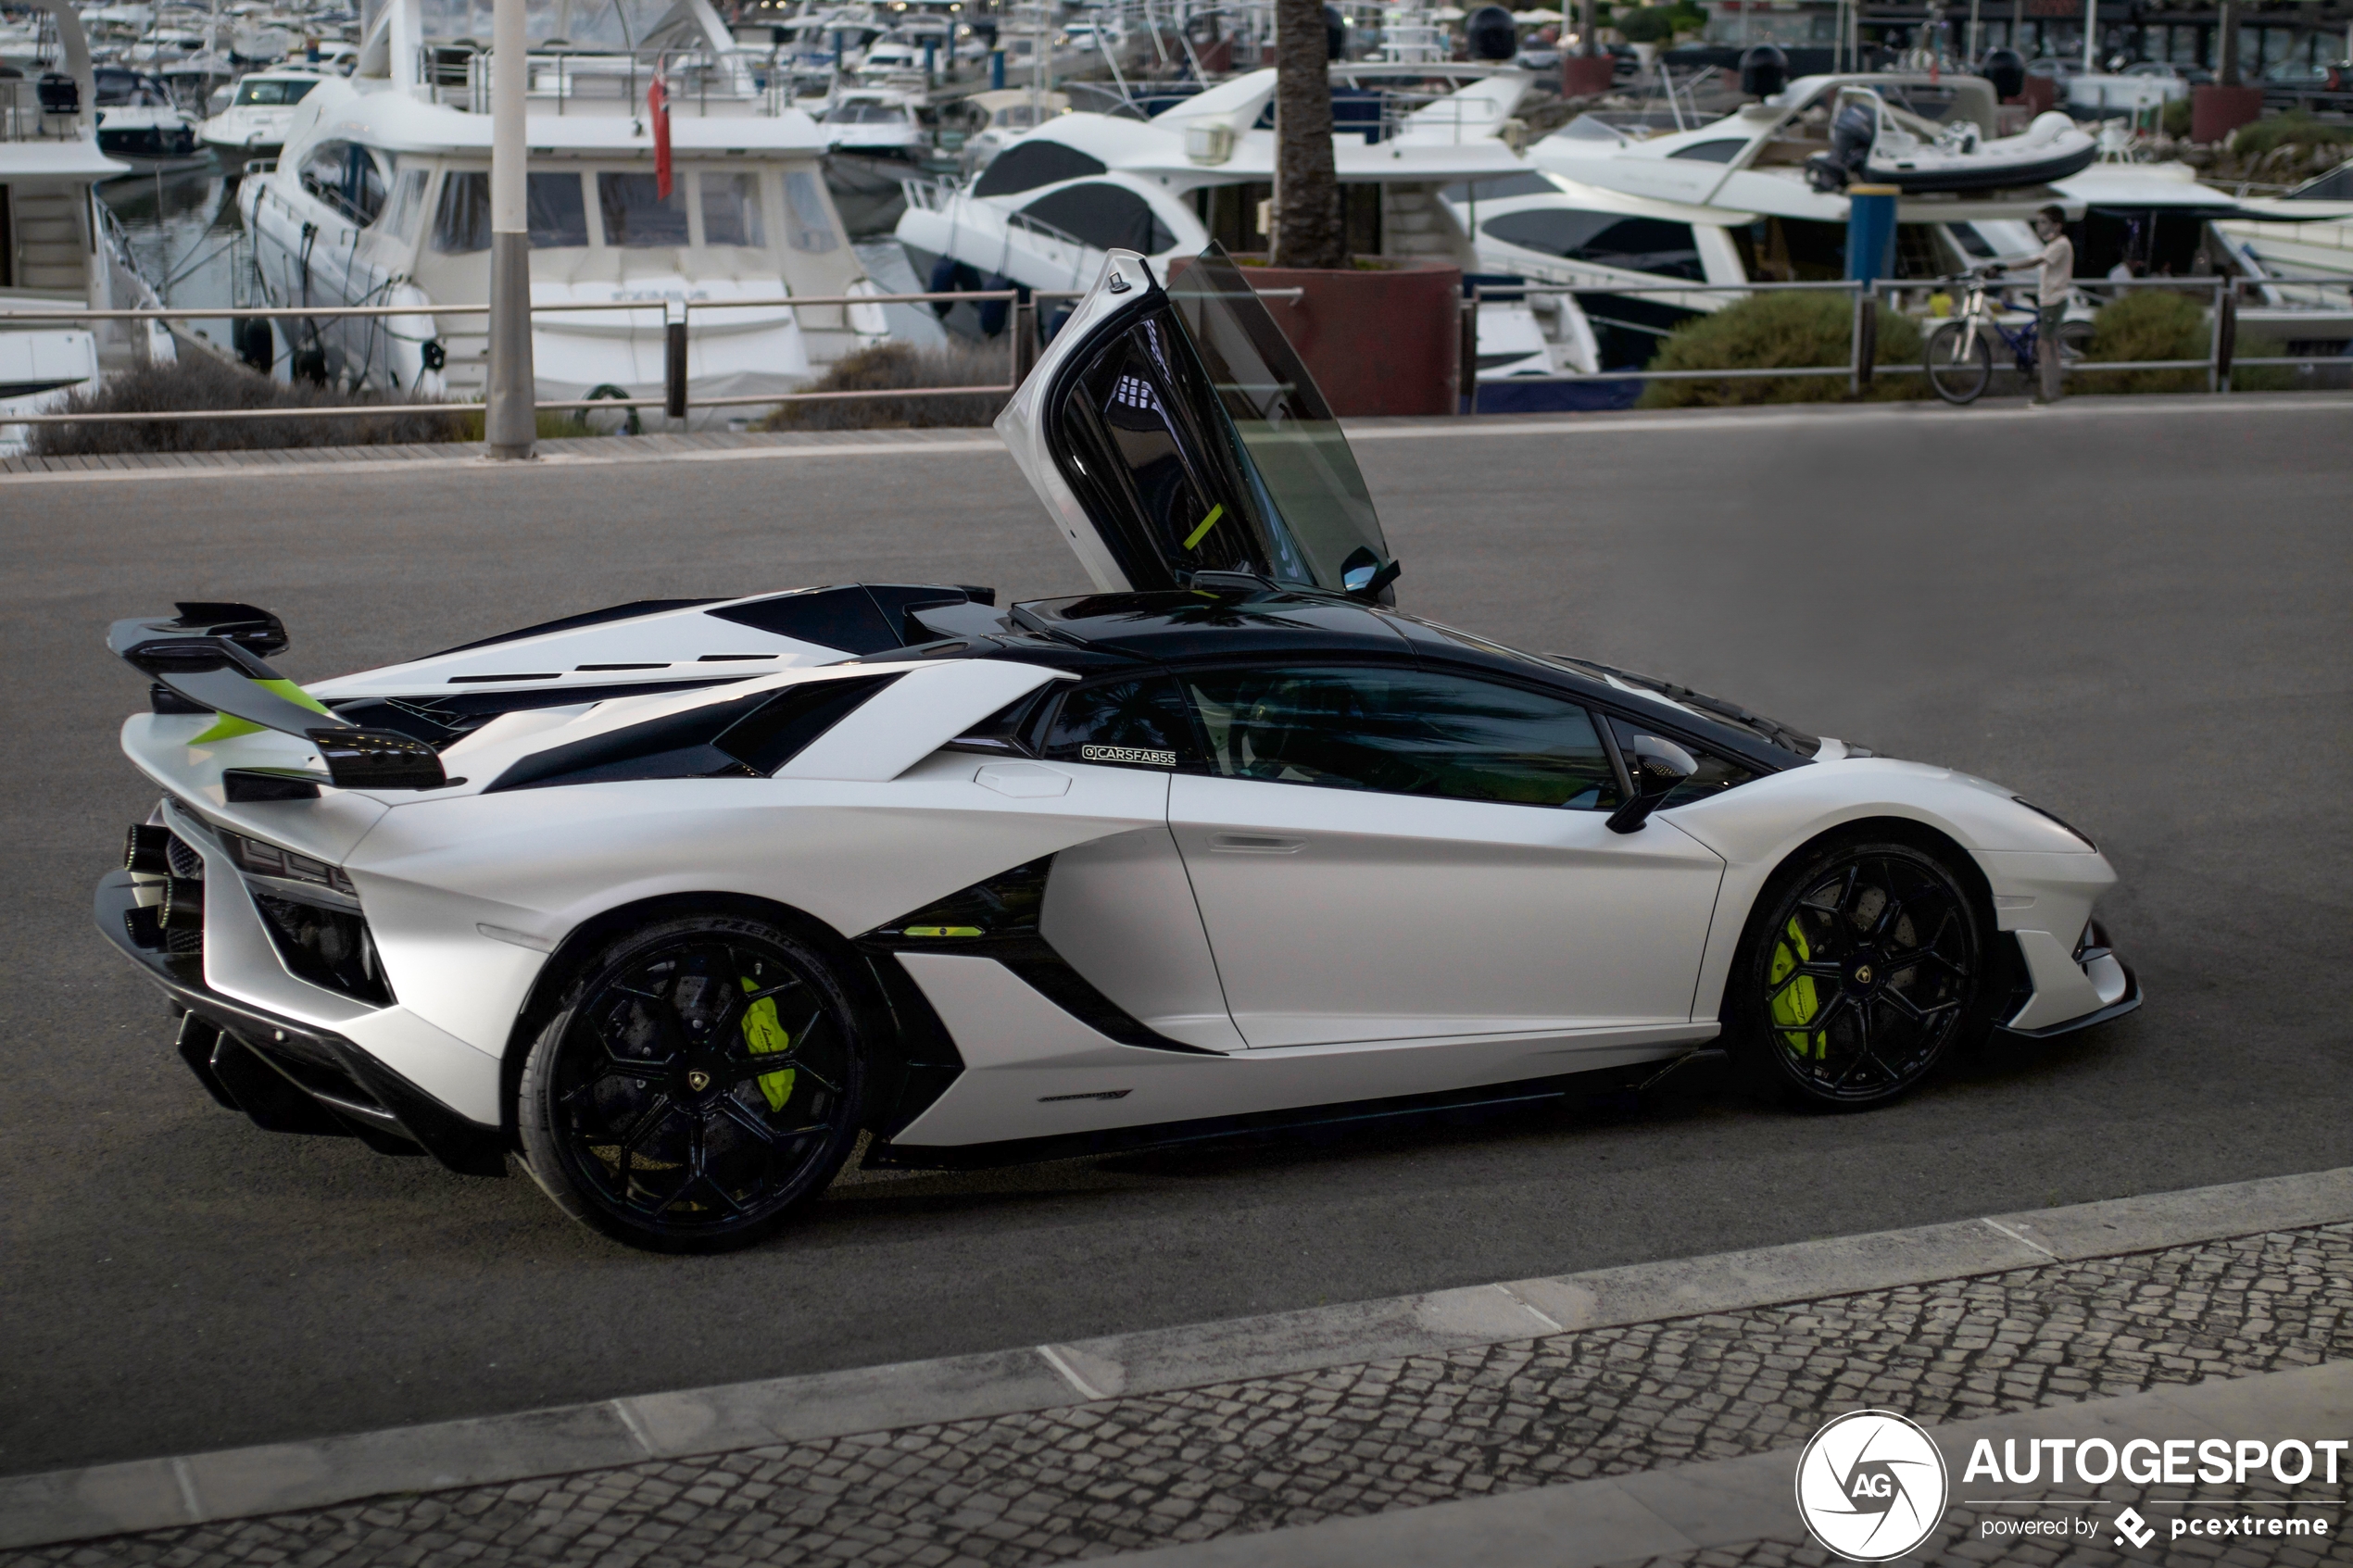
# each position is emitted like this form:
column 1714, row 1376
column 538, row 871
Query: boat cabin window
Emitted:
column 731, row 210
column 557, row 214
column 1791, row 250
column 1604, row 239
column 461, row 219
column 1028, row 165
column 407, row 204
column 636, row 217
column 347, row 177
column 1721, row 150
column 1106, row 217
column 809, row 225
column 272, row 95
column 867, row 114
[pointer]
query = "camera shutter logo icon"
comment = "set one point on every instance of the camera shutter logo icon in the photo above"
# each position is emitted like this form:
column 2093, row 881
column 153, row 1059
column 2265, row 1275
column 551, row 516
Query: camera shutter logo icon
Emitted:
column 1871, row 1486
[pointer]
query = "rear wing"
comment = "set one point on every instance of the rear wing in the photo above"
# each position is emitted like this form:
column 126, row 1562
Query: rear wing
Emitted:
column 211, row 655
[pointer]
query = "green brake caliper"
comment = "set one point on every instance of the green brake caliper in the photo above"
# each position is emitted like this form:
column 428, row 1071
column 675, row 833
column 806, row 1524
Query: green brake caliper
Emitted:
column 1794, row 1005
column 765, row 1035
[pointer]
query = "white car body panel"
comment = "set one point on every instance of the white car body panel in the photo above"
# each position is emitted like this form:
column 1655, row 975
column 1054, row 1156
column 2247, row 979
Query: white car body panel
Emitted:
column 1029, row 1067
column 1341, row 915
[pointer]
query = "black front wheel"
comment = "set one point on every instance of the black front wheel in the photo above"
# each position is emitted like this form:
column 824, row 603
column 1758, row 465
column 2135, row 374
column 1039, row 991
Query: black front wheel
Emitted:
column 1862, row 967
column 703, row 1081
column 1960, row 362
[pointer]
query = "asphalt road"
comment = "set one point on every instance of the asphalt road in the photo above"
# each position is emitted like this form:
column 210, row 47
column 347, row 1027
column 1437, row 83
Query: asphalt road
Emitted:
column 2139, row 620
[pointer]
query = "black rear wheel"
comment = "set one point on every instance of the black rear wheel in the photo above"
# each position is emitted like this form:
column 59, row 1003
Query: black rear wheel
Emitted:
column 704, row 1080
column 1862, row 967
column 1959, row 362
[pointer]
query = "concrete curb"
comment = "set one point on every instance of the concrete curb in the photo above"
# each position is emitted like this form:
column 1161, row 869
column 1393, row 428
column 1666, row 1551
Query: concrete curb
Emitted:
column 571, row 454
column 238, row 1483
column 1690, row 1507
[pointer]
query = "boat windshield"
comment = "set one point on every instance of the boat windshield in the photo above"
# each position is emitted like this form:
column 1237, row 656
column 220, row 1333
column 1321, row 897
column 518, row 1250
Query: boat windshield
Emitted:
column 268, row 94
column 1319, row 514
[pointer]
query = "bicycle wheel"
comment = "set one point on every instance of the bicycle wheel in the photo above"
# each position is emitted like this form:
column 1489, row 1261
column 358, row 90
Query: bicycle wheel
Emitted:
column 1959, row 362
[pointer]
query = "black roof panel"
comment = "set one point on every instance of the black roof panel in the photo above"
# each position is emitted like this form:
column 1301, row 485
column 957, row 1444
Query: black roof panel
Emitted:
column 1182, row 624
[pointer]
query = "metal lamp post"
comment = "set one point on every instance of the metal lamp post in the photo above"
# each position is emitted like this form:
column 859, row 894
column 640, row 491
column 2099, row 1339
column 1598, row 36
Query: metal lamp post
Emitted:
column 510, row 424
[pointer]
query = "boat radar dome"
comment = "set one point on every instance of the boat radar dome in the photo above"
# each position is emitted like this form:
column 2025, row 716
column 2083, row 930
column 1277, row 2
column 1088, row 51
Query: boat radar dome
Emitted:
column 2005, row 69
column 1764, row 71
column 1492, row 33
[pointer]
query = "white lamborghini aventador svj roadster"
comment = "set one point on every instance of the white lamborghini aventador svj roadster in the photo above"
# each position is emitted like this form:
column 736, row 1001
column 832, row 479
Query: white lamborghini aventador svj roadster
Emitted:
column 673, row 901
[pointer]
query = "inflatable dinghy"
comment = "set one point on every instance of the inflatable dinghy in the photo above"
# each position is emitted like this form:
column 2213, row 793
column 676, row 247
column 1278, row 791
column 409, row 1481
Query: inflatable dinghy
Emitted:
column 1872, row 142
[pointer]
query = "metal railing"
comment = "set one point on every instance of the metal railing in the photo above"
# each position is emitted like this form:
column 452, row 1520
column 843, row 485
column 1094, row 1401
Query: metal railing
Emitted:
column 2223, row 310
column 676, row 401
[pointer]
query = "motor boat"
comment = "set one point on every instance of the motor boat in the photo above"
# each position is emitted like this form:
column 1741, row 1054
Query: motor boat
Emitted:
column 382, row 195
column 254, row 124
column 1873, row 141
column 876, row 138
column 1045, row 212
column 61, row 252
column 140, row 124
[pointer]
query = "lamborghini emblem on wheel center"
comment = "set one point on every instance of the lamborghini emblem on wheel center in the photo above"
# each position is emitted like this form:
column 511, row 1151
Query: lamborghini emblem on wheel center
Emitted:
column 1862, row 974
column 699, row 1081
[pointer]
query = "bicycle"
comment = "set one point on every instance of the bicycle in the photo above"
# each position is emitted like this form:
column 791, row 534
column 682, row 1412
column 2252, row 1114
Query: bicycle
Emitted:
column 1960, row 353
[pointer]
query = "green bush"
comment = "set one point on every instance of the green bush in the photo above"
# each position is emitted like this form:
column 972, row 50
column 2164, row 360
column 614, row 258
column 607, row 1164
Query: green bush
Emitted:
column 2295, row 127
column 2148, row 325
column 1768, row 331
column 893, row 367
column 1647, row 24
column 2177, row 119
column 199, row 380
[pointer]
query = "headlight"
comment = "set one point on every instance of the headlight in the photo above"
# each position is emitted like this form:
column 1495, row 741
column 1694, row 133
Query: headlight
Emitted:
column 2062, row 821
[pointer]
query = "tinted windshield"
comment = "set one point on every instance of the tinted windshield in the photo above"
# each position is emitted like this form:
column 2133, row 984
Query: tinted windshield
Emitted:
column 273, row 93
column 1305, row 480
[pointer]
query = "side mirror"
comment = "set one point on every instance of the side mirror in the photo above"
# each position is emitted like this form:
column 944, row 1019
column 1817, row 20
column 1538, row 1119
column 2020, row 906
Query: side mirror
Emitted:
column 1365, row 576
column 1658, row 766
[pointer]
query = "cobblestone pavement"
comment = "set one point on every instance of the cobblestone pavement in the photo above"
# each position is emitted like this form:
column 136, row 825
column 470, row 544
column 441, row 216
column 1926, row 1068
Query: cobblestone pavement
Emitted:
column 1132, row 1472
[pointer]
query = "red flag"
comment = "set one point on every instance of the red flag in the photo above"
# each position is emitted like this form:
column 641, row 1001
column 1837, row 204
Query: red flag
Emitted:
column 658, row 107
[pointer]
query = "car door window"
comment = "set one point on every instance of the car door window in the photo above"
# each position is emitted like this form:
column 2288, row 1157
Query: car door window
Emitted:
column 1130, row 723
column 1402, row 730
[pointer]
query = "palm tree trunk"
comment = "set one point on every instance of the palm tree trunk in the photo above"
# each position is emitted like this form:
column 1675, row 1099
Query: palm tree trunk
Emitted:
column 1308, row 231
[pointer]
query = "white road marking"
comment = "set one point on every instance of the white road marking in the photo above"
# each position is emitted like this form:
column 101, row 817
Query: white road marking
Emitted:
column 1054, row 1360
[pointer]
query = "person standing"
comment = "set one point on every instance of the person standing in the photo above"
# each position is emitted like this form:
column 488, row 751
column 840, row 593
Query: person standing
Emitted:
column 2054, row 281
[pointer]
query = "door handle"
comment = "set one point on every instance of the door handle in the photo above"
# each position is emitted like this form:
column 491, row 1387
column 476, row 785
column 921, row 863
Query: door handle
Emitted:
column 1255, row 842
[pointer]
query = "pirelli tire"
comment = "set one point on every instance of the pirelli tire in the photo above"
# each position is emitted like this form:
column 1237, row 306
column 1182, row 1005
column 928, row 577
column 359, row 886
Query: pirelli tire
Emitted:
column 1868, row 963
column 702, row 1082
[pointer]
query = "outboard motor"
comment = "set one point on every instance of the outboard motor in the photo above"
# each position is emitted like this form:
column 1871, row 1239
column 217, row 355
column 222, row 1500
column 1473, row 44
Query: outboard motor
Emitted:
column 1853, row 130
column 2005, row 69
column 1335, row 34
column 1492, row 33
column 1764, row 71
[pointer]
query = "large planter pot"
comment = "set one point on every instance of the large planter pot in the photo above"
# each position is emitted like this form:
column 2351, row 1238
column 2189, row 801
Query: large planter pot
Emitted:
column 1583, row 75
column 1383, row 339
column 2215, row 112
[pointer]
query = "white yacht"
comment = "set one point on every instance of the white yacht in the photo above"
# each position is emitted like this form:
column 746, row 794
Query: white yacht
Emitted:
column 139, row 123
column 58, row 249
column 1045, row 211
column 382, row 195
column 260, row 108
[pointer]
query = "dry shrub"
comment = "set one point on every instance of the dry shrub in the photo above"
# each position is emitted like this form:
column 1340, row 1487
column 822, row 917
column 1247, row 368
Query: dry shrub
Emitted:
column 892, row 367
column 199, row 380
column 2146, row 325
column 1773, row 331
